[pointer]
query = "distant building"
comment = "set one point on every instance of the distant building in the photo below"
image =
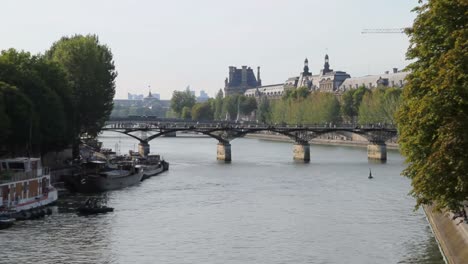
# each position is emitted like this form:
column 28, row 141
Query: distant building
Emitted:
column 203, row 97
column 240, row 80
column 391, row 79
column 327, row 80
column 152, row 96
column 135, row 96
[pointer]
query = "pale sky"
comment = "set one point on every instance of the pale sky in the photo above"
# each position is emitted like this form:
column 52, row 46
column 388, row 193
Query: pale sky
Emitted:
column 172, row 44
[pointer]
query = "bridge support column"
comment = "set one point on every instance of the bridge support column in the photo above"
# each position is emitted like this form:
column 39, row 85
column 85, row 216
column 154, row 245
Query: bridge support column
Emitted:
column 377, row 151
column 224, row 151
column 143, row 148
column 301, row 152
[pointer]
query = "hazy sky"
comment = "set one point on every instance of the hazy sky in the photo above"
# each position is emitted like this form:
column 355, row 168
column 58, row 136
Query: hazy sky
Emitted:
column 172, row 44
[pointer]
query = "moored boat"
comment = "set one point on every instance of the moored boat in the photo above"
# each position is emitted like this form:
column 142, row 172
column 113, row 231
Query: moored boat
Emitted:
column 24, row 186
column 6, row 222
column 151, row 165
column 98, row 176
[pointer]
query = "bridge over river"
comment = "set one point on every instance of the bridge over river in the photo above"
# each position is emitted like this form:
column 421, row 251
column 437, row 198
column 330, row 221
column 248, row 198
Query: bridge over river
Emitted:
column 225, row 132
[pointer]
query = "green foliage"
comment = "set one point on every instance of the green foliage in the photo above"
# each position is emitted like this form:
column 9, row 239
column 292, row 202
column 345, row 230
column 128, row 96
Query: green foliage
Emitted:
column 379, row 106
column 218, row 108
column 230, row 105
column 433, row 119
column 318, row 107
column 5, row 125
column 181, row 100
column 351, row 101
column 90, row 70
column 186, row 113
column 45, row 85
column 202, row 111
column 247, row 105
column 297, row 93
column 19, row 112
column 264, row 111
column 235, row 103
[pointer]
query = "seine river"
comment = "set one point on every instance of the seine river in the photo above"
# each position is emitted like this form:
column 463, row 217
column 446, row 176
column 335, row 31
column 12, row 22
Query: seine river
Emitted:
column 261, row 208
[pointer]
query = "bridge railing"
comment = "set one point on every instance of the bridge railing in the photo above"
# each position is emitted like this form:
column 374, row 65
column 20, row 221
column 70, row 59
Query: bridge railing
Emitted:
column 238, row 125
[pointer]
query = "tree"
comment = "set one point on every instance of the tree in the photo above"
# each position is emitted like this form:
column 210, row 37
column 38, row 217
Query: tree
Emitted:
column 230, row 105
column 351, row 102
column 264, row 111
column 379, row 106
column 347, row 105
column 433, row 118
column 19, row 111
column 202, row 111
column 181, row 100
column 90, row 69
column 302, row 92
column 5, row 129
column 247, row 105
column 186, row 113
column 44, row 85
column 218, row 112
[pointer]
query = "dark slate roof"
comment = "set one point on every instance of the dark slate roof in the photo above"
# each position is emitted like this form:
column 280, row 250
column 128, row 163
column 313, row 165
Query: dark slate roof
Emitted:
column 237, row 78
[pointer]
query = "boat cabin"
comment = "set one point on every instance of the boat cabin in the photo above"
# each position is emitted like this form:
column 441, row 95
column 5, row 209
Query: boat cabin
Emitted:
column 22, row 179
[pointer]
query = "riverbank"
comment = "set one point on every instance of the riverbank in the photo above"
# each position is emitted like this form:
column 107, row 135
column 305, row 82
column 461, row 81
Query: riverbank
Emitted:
column 451, row 234
column 318, row 141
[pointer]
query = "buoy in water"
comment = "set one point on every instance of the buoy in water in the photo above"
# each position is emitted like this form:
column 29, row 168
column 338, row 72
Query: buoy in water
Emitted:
column 370, row 174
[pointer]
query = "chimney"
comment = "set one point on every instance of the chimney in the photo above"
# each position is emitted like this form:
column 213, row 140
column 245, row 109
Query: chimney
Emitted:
column 395, row 70
column 259, row 81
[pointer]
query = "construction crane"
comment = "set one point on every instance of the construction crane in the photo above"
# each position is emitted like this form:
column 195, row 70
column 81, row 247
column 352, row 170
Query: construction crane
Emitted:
column 383, row 30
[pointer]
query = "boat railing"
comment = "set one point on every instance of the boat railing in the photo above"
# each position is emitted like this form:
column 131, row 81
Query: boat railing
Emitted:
column 13, row 176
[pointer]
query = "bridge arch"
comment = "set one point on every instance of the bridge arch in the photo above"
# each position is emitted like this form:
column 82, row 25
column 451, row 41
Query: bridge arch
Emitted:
column 225, row 132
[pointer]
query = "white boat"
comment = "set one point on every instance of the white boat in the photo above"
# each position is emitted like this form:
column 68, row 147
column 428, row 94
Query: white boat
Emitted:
column 24, row 185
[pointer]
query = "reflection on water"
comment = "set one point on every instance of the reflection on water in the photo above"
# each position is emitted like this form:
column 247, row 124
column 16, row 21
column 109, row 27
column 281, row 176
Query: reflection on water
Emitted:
column 261, row 208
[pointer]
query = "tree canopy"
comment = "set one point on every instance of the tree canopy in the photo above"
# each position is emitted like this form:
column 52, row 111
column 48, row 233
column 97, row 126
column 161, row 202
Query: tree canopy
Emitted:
column 48, row 101
column 433, row 119
column 202, row 112
column 90, row 69
column 379, row 106
column 39, row 92
column 316, row 107
column 183, row 99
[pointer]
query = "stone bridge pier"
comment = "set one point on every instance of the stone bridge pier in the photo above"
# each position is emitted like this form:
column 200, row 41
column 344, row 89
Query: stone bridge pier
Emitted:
column 143, row 148
column 301, row 152
column 224, row 151
column 377, row 151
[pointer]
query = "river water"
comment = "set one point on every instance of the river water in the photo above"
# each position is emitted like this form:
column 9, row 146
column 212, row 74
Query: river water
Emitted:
column 261, row 208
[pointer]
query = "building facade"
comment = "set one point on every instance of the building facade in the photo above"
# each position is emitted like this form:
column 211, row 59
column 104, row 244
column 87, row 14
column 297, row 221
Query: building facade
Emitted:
column 242, row 81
